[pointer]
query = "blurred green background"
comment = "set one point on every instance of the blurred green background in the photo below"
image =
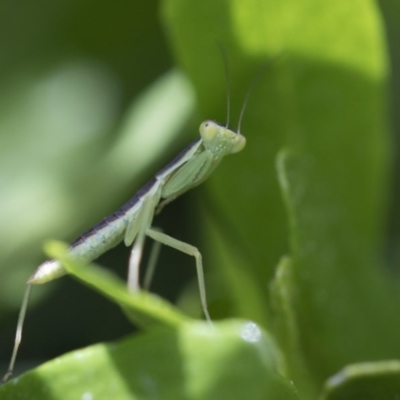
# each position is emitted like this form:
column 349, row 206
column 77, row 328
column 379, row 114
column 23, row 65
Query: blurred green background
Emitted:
column 89, row 110
column 69, row 75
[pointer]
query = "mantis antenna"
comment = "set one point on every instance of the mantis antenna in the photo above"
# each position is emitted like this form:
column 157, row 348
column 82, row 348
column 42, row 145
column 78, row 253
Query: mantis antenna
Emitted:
column 227, row 83
column 253, row 84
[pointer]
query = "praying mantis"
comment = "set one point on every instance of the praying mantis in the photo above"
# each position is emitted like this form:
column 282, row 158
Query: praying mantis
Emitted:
column 133, row 221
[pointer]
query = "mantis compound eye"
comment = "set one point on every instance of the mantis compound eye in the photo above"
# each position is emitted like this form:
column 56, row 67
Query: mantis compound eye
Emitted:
column 209, row 130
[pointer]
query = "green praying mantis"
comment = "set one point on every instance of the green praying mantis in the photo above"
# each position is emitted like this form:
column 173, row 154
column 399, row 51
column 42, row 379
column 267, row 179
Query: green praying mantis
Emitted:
column 133, row 221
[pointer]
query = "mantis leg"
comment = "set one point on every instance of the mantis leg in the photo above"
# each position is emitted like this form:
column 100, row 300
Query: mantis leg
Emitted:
column 190, row 250
column 18, row 335
column 151, row 265
column 143, row 221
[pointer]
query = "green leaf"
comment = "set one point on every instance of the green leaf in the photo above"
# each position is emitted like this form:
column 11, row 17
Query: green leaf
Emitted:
column 341, row 306
column 142, row 308
column 367, row 381
column 232, row 360
column 324, row 101
column 194, row 362
column 287, row 330
column 247, row 213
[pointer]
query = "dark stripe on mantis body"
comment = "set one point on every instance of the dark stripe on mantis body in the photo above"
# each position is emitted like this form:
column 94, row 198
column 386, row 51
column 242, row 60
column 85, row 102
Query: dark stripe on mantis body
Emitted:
column 131, row 202
column 116, row 215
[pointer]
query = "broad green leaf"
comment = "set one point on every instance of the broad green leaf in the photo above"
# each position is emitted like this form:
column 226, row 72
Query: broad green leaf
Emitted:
column 325, row 102
column 343, row 310
column 188, row 360
column 390, row 10
column 287, row 329
column 233, row 360
column 367, row 381
column 306, row 100
column 248, row 213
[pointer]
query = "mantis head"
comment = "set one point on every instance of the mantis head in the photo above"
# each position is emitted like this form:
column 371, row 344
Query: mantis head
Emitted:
column 220, row 140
